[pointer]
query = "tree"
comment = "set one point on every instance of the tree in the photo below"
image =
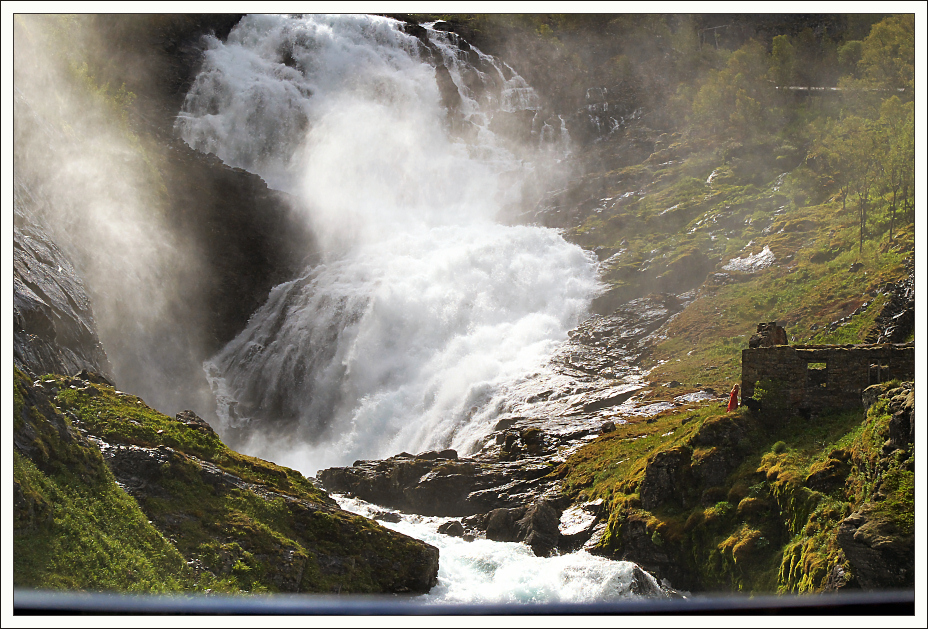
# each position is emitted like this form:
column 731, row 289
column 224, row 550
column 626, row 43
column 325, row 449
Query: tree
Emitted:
column 887, row 58
column 852, row 153
column 737, row 100
column 782, row 55
column 897, row 134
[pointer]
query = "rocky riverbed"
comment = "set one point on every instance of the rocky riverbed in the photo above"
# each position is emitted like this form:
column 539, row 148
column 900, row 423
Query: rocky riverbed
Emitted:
column 507, row 489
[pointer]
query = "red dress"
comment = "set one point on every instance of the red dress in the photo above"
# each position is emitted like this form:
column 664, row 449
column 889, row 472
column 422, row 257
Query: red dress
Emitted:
column 733, row 401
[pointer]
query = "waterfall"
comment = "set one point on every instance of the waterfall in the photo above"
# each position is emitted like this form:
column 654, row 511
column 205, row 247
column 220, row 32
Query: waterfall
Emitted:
column 424, row 304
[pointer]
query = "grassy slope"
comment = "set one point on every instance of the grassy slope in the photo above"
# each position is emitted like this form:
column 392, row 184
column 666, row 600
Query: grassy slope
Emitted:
column 745, row 209
column 770, row 525
column 76, row 528
column 73, row 526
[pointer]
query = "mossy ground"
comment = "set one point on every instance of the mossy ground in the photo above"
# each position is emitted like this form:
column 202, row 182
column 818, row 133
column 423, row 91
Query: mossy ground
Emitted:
column 74, row 527
column 270, row 530
column 771, row 524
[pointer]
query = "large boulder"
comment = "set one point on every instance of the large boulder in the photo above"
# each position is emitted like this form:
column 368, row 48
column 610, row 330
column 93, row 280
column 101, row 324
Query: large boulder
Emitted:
column 537, row 525
column 441, row 483
column 882, row 555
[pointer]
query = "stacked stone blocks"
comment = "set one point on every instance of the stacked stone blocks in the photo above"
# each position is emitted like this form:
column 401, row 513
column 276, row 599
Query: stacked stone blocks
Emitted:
column 824, row 377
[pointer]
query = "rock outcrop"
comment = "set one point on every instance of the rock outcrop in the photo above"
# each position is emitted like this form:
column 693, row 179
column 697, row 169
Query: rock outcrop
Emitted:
column 53, row 324
column 429, row 484
column 238, row 522
column 768, row 335
column 878, row 539
column 696, row 515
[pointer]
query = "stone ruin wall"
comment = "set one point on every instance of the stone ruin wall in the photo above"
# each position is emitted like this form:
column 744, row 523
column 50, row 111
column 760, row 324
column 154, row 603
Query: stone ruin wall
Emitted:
column 823, row 377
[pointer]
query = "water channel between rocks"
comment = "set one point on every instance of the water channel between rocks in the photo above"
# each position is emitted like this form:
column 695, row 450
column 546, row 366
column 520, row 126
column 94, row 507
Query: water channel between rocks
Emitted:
column 484, row 571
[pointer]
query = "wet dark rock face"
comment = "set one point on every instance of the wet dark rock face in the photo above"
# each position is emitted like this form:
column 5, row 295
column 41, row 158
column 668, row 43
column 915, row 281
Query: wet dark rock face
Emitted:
column 441, row 486
column 613, row 344
column 53, row 324
column 536, row 525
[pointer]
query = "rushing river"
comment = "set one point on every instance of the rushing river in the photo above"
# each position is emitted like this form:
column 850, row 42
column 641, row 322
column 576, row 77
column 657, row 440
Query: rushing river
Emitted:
column 483, row 571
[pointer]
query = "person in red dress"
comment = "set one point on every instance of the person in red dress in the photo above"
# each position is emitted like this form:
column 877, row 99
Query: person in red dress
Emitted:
column 733, row 398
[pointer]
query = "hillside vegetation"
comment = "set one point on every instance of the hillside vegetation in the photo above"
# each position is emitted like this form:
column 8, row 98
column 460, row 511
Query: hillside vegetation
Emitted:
column 723, row 182
column 759, row 502
column 110, row 494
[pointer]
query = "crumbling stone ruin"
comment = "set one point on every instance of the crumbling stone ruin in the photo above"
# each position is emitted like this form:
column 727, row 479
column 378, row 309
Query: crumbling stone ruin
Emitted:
column 815, row 378
column 768, row 335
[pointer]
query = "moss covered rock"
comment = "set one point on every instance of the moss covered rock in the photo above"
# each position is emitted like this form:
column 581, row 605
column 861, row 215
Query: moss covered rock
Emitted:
column 745, row 502
column 111, row 494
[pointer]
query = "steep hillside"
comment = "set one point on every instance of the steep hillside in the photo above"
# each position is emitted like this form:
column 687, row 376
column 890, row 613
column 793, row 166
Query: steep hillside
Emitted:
column 760, row 502
column 109, row 494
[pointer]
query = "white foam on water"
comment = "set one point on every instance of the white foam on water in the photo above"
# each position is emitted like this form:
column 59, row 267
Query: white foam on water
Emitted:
column 484, row 571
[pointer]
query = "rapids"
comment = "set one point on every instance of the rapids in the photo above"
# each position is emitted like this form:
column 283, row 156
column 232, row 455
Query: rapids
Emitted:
column 425, row 303
column 483, row 571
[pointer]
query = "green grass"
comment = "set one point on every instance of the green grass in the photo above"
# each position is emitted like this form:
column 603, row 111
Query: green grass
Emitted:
column 92, row 537
column 73, row 526
column 771, row 525
column 188, row 530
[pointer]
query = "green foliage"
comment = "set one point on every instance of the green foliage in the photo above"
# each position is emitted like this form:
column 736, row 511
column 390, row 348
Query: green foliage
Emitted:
column 887, row 59
column 266, row 529
column 774, row 532
column 737, row 99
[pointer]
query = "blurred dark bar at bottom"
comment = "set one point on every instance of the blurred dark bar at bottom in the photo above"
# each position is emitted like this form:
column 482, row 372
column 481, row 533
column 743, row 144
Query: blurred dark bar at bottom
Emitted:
column 44, row 602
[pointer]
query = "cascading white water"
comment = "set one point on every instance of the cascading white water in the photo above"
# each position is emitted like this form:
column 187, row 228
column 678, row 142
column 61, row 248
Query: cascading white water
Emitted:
column 423, row 305
column 483, row 571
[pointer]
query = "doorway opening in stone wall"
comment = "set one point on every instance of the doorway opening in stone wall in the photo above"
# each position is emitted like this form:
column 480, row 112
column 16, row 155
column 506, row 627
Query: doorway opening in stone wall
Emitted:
column 878, row 371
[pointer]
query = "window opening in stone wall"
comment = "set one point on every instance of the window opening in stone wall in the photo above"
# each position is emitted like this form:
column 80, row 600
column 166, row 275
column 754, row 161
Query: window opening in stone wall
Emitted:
column 817, row 374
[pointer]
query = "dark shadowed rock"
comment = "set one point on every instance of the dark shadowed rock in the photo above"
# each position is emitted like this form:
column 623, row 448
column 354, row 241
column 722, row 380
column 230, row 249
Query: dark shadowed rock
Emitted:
column 53, row 324
column 665, row 478
column 441, row 486
column 452, row 528
column 536, row 525
column 503, row 524
column 881, row 555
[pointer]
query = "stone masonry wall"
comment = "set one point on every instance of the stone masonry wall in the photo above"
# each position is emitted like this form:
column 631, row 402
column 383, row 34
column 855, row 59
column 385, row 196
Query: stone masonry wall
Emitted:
column 822, row 377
